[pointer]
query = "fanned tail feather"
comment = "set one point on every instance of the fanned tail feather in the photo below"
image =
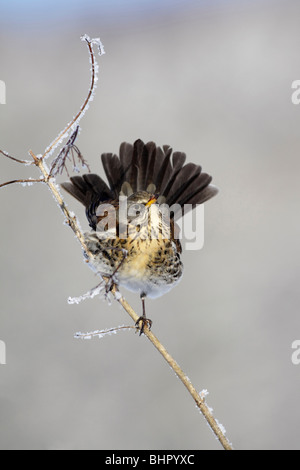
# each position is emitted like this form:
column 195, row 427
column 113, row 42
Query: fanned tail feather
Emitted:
column 142, row 167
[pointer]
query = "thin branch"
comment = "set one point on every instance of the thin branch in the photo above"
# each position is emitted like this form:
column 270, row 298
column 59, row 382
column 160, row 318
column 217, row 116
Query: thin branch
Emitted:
column 71, row 219
column 24, row 162
column 84, row 106
column 101, row 333
column 68, row 152
column 26, row 181
column 199, row 400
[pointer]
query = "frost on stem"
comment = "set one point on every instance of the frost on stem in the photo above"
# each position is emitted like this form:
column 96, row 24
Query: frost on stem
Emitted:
column 24, row 162
column 223, row 430
column 70, row 152
column 96, row 41
column 100, row 289
column 30, row 181
column 101, row 333
column 94, row 78
column 203, row 394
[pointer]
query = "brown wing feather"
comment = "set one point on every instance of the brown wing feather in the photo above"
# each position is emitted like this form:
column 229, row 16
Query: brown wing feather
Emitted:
column 141, row 165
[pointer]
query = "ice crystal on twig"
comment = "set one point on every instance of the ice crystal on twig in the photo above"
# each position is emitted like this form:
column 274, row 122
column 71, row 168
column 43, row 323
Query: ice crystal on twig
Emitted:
column 96, row 41
column 94, row 78
column 70, row 152
column 223, row 430
column 101, row 333
column 99, row 289
column 203, row 394
column 24, row 162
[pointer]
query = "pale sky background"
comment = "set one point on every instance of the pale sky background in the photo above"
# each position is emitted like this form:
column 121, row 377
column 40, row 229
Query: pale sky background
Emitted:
column 212, row 79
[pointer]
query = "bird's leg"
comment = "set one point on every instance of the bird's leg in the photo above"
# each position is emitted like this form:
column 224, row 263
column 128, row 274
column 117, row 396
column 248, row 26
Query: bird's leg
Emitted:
column 143, row 320
column 98, row 249
column 112, row 280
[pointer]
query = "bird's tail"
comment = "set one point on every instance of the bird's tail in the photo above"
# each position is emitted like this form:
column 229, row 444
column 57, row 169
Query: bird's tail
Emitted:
column 144, row 167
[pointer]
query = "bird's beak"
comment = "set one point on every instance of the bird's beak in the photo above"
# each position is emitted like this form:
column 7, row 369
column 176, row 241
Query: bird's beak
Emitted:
column 151, row 201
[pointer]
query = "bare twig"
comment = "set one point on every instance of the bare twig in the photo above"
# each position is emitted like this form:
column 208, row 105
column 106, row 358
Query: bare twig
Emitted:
column 106, row 332
column 26, row 181
column 84, row 106
column 68, row 150
column 199, row 400
column 71, row 219
column 24, row 162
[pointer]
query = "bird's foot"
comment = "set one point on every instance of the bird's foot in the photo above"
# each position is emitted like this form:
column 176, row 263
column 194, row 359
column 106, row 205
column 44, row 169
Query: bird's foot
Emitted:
column 141, row 323
column 110, row 281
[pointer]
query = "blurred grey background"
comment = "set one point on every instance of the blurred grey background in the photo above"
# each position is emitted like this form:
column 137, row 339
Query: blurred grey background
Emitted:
column 211, row 78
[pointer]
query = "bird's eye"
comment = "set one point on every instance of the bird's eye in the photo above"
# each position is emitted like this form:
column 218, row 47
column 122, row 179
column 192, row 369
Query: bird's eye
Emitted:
column 135, row 209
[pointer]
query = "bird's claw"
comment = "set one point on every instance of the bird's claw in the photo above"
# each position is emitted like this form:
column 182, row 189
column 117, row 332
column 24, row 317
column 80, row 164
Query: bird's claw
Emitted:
column 141, row 323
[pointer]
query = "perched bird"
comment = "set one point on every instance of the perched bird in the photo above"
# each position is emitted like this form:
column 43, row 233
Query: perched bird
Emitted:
column 131, row 239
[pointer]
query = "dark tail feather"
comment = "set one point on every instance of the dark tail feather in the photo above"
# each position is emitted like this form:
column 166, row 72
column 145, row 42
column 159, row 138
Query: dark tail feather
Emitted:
column 87, row 188
column 114, row 172
column 151, row 149
column 144, row 158
column 126, row 159
column 141, row 165
column 164, row 171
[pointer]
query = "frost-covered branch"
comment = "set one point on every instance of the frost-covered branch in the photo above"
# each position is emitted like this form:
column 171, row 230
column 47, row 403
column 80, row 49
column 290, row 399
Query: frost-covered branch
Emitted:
column 94, row 78
column 102, row 333
column 24, row 162
column 70, row 152
column 199, row 398
column 24, row 182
